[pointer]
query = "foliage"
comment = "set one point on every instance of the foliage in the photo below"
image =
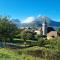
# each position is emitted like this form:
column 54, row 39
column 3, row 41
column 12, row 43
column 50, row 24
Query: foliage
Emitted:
column 9, row 54
column 27, row 35
column 41, row 42
column 47, row 49
column 42, row 52
column 35, row 53
column 53, row 43
column 58, row 30
column 7, row 28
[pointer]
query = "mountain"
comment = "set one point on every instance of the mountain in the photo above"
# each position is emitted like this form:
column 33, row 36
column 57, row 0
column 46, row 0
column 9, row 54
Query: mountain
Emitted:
column 49, row 21
column 33, row 24
column 17, row 22
column 38, row 22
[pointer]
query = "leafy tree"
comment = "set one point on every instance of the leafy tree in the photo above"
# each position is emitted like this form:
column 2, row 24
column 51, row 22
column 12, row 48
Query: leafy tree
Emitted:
column 27, row 35
column 41, row 42
column 7, row 29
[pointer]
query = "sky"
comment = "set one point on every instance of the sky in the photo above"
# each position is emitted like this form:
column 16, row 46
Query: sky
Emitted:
column 24, row 9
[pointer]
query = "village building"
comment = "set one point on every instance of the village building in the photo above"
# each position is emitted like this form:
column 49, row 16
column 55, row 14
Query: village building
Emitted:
column 51, row 34
column 47, row 31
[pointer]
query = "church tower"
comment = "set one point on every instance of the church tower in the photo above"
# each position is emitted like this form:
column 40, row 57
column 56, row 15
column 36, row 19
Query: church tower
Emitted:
column 44, row 27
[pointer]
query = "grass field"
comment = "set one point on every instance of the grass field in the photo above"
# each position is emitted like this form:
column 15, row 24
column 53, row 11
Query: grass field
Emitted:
column 15, row 54
column 32, row 52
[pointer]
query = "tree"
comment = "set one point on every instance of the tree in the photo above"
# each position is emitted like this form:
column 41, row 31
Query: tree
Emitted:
column 27, row 35
column 7, row 29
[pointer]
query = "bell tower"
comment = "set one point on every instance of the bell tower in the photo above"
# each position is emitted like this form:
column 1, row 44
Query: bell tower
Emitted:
column 44, row 27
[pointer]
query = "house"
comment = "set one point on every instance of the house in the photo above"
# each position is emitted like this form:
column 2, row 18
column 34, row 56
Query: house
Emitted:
column 51, row 34
column 39, row 31
column 47, row 31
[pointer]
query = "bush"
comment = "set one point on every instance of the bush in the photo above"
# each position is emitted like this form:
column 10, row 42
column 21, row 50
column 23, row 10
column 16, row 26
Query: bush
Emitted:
column 41, row 42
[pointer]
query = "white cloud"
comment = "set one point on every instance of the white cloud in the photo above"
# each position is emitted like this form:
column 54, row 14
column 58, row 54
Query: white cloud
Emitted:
column 28, row 20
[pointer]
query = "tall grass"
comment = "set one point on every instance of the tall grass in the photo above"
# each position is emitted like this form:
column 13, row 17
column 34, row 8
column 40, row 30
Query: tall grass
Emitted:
column 9, row 54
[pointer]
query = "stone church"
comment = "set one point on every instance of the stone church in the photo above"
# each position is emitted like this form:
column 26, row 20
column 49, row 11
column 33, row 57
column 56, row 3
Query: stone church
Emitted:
column 47, row 31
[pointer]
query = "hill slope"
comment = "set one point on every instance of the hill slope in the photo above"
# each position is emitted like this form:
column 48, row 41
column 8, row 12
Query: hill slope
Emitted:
column 38, row 22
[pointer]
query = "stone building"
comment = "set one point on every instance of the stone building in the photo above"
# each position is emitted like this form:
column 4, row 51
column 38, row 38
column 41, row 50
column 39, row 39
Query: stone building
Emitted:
column 47, row 31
